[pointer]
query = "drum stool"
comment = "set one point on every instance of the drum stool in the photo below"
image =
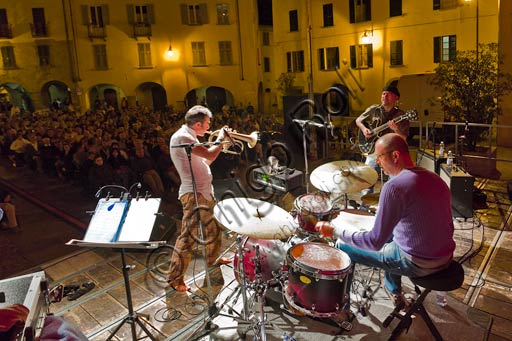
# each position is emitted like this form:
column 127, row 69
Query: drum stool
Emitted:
column 448, row 279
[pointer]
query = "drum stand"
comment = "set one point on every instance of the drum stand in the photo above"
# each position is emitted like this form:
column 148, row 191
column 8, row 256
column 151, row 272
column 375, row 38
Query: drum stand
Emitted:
column 364, row 291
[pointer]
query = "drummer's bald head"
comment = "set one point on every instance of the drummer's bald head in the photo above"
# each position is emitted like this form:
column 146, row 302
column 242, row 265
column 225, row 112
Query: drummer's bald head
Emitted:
column 197, row 114
column 393, row 142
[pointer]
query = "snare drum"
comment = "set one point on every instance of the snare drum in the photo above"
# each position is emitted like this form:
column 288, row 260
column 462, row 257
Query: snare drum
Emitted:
column 311, row 208
column 317, row 279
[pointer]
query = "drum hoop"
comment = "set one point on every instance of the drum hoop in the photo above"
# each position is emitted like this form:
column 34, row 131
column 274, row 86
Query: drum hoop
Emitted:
column 314, row 272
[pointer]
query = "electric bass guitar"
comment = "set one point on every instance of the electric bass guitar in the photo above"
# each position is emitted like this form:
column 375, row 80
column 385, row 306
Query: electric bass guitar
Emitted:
column 367, row 144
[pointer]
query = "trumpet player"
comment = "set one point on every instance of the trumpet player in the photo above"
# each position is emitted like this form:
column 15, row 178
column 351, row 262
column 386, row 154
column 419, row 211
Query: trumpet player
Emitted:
column 197, row 123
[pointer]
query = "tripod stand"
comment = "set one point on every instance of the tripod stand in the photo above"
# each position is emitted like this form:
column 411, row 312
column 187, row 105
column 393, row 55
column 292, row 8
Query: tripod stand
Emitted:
column 132, row 318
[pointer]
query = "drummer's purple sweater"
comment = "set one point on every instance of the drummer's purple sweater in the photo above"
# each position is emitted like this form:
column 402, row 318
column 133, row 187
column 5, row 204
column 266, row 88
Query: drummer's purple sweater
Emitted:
column 415, row 208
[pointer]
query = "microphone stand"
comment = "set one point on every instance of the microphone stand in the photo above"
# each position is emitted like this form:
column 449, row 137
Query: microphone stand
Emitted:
column 212, row 308
column 303, row 124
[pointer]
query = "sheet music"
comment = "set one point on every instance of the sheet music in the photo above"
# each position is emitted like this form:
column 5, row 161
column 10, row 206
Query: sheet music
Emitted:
column 353, row 222
column 106, row 221
column 140, row 220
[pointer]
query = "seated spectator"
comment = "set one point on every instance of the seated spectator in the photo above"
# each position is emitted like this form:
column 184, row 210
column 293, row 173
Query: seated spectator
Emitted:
column 64, row 164
column 48, row 154
column 120, row 164
column 100, row 174
column 18, row 148
column 8, row 221
column 145, row 169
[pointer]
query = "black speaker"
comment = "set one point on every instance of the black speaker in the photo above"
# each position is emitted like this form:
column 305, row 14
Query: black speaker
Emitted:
column 461, row 187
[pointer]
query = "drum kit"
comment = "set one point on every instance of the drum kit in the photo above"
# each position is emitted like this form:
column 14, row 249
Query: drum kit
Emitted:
column 282, row 250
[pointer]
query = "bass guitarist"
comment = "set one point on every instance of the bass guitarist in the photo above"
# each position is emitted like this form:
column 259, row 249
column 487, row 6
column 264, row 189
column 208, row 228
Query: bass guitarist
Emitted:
column 377, row 115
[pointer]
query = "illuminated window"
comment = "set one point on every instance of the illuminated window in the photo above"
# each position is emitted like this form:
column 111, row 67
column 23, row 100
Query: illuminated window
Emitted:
column 222, row 14
column 445, row 48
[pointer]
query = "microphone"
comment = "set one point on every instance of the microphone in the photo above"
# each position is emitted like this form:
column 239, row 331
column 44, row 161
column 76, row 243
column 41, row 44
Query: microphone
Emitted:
column 308, row 122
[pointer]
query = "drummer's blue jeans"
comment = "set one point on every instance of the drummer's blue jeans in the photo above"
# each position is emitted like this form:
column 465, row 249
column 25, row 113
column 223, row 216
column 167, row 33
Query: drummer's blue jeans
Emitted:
column 390, row 259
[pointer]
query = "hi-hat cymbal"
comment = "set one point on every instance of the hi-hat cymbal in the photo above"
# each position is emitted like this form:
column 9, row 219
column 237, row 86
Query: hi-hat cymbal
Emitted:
column 371, row 199
column 344, row 176
column 255, row 218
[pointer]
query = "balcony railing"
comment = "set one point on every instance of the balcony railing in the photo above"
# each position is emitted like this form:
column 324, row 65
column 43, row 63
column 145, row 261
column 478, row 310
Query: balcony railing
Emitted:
column 39, row 29
column 95, row 31
column 6, row 31
column 142, row 29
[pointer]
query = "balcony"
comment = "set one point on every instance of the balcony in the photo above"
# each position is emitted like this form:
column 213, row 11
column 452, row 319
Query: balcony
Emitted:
column 6, row 31
column 96, row 32
column 142, row 29
column 39, row 29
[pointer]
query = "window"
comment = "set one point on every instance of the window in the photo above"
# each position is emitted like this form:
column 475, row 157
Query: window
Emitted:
column 445, row 4
column 226, row 55
column 266, row 64
column 8, row 60
column 294, row 20
column 328, row 16
column 198, row 53
column 295, row 61
column 43, row 52
column 222, row 14
column 141, row 14
column 445, row 48
column 100, row 56
column 266, row 38
column 194, row 14
column 361, row 56
column 395, row 8
column 329, row 58
column 396, row 54
column 144, row 50
column 39, row 23
column 360, row 10
column 5, row 27
column 96, row 16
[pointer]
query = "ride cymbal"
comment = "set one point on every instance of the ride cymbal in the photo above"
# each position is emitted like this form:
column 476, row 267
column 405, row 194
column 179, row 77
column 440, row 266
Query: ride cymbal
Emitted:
column 344, row 176
column 255, row 218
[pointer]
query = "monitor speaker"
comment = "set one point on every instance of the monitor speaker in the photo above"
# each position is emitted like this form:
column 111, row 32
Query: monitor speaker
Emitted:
column 461, row 187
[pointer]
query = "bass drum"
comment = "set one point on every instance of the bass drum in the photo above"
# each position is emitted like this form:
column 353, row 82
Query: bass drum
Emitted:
column 317, row 279
column 271, row 256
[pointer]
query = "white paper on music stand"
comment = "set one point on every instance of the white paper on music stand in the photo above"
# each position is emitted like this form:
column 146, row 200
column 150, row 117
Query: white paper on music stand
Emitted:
column 354, row 222
column 139, row 221
column 106, row 221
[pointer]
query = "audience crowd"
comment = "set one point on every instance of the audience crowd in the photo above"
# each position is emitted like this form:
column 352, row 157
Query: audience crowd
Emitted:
column 106, row 146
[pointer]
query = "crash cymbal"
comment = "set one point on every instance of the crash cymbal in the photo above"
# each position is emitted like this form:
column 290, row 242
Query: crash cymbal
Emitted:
column 255, row 218
column 344, row 176
column 371, row 199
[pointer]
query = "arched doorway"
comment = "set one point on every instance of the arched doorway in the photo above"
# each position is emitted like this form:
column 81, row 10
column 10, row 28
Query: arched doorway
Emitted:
column 105, row 94
column 54, row 91
column 213, row 97
column 15, row 94
column 152, row 95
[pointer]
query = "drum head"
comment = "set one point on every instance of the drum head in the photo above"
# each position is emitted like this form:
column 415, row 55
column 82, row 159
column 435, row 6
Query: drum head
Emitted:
column 313, row 203
column 320, row 258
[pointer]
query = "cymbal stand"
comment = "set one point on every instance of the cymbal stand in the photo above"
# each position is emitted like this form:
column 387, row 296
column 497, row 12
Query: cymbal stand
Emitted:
column 303, row 124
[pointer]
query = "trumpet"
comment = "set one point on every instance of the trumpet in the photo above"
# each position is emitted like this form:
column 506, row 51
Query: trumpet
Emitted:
column 237, row 140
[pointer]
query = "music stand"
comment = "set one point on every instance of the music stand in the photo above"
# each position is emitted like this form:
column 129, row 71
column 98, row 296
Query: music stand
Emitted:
column 124, row 224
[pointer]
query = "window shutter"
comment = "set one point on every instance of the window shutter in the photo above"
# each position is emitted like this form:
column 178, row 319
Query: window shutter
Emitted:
column 184, row 14
column 352, row 11
column 203, row 14
column 368, row 9
column 453, row 47
column 129, row 14
column 151, row 13
column 105, row 14
column 353, row 60
column 437, row 52
column 85, row 15
column 369, row 54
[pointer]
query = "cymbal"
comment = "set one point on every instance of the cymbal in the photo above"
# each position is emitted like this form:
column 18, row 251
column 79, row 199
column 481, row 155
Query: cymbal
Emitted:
column 255, row 218
column 344, row 176
column 371, row 199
